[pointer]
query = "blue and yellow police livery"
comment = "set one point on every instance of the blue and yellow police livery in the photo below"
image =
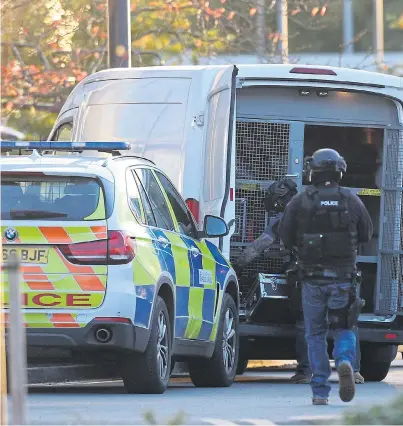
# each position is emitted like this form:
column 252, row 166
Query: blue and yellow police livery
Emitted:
column 111, row 260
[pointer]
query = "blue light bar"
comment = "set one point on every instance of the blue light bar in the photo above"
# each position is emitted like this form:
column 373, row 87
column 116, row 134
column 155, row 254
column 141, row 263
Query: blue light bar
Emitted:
column 65, row 146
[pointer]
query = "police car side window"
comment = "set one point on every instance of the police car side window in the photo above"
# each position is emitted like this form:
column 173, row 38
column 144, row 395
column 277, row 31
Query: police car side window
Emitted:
column 134, row 197
column 157, row 200
column 148, row 213
column 185, row 222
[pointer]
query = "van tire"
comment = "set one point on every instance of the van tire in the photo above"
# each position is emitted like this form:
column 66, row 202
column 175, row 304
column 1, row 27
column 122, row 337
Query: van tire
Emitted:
column 242, row 366
column 374, row 371
column 376, row 360
column 142, row 373
column 213, row 372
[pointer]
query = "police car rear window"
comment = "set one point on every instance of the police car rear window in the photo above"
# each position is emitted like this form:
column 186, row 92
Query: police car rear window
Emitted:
column 51, row 198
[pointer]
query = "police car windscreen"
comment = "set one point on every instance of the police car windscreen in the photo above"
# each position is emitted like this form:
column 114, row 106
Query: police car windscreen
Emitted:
column 51, row 198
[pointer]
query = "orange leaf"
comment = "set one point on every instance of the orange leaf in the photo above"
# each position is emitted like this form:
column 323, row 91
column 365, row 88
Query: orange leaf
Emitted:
column 315, row 11
column 323, row 10
column 253, row 11
column 230, row 15
column 95, row 29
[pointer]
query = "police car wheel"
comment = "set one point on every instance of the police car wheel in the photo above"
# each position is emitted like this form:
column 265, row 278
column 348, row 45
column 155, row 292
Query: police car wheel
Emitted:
column 149, row 372
column 220, row 369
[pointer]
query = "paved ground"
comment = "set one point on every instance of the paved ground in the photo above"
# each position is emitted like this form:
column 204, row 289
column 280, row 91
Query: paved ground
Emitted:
column 256, row 398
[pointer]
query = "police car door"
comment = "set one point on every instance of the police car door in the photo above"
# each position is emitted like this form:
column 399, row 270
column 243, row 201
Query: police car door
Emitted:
column 202, row 289
column 389, row 298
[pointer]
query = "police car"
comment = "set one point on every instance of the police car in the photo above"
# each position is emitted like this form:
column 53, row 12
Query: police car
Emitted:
column 111, row 259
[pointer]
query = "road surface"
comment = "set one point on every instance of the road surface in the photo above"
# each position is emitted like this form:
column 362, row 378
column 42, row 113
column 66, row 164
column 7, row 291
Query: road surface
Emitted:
column 256, row 398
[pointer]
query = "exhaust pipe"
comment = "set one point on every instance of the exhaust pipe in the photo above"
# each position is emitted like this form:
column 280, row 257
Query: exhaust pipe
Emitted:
column 103, row 335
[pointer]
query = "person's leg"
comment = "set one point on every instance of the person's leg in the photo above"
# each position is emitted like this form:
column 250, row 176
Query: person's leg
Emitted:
column 357, row 362
column 344, row 342
column 303, row 374
column 314, row 301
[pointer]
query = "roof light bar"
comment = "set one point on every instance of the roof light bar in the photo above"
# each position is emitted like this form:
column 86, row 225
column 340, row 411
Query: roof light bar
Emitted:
column 316, row 71
column 65, row 146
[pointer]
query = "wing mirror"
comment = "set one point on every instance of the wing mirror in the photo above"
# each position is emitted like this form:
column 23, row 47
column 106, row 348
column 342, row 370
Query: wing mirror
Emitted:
column 214, row 227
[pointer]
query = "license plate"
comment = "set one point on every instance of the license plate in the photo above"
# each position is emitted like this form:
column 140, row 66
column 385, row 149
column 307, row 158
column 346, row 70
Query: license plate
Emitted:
column 27, row 254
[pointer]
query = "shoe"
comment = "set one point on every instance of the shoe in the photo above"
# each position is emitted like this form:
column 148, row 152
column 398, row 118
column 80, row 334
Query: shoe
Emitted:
column 347, row 381
column 300, row 379
column 316, row 400
column 358, row 378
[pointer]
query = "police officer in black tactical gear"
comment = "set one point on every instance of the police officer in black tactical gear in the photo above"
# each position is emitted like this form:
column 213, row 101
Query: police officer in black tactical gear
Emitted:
column 325, row 223
column 277, row 197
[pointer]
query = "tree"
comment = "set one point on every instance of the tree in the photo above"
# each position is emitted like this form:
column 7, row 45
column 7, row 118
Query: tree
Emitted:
column 62, row 41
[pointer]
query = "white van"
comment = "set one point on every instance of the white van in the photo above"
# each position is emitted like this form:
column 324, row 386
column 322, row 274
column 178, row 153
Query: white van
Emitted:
column 224, row 133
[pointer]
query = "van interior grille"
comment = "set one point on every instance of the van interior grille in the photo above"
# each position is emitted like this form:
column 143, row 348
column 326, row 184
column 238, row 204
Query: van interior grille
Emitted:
column 261, row 158
column 391, row 265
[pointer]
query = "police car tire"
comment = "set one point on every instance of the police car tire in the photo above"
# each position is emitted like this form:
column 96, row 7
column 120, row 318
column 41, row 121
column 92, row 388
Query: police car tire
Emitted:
column 140, row 372
column 211, row 372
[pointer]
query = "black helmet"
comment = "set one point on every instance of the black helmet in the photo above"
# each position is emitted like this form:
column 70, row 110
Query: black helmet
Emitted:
column 326, row 161
column 279, row 195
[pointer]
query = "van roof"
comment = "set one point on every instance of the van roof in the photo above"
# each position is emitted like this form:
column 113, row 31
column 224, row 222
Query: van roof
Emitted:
column 279, row 72
column 265, row 71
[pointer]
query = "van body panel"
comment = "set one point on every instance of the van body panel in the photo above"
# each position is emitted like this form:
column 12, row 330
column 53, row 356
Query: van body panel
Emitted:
column 333, row 106
column 187, row 135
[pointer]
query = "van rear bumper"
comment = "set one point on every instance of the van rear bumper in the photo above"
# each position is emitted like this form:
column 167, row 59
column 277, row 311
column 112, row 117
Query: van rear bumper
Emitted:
column 367, row 334
column 124, row 337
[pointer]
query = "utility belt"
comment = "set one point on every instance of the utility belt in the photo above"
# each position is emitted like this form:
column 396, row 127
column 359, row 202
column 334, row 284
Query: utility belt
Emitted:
column 331, row 274
column 327, row 273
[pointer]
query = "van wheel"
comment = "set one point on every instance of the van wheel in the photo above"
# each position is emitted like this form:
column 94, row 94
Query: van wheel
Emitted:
column 374, row 371
column 242, row 366
column 149, row 372
column 220, row 369
column 376, row 360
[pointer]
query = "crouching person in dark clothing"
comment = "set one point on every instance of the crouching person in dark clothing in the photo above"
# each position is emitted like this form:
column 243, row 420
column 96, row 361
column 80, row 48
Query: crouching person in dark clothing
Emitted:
column 326, row 223
column 277, row 197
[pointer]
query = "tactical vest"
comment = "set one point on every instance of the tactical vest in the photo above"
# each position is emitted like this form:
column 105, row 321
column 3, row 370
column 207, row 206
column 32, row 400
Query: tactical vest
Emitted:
column 327, row 236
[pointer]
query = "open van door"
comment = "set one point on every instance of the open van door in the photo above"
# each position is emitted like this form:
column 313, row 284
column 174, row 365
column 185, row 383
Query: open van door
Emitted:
column 389, row 294
column 219, row 163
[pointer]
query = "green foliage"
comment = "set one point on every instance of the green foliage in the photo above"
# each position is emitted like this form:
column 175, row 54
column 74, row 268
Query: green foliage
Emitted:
column 65, row 40
column 390, row 414
column 178, row 419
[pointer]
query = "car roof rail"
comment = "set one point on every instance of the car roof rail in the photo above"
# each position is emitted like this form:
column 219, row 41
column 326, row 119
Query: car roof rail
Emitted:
column 132, row 156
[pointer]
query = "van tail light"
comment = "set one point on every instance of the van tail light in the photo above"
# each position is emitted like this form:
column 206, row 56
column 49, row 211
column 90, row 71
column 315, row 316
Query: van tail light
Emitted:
column 193, row 206
column 119, row 248
column 315, row 71
column 391, row 336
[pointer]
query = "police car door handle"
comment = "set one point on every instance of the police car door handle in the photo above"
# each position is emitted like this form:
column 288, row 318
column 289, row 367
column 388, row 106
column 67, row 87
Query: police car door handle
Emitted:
column 195, row 251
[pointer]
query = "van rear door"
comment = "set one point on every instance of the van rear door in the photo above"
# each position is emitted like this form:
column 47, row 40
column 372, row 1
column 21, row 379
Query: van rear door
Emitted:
column 57, row 226
column 389, row 296
column 219, row 155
